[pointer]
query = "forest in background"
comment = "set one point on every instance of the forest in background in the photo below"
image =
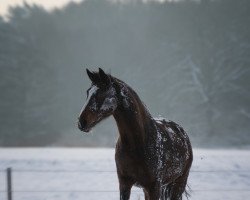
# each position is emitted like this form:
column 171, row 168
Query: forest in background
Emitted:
column 189, row 61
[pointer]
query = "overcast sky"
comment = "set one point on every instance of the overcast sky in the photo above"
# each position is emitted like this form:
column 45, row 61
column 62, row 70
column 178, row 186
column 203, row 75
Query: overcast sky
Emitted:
column 48, row 4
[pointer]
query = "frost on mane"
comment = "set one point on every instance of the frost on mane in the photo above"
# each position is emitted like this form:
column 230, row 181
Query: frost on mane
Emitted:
column 124, row 92
column 161, row 120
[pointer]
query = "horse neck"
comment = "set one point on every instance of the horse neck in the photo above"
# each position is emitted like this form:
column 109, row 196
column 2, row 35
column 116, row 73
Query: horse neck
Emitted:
column 131, row 117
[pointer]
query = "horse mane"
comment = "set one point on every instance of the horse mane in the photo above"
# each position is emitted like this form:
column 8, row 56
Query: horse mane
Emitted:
column 136, row 113
column 131, row 93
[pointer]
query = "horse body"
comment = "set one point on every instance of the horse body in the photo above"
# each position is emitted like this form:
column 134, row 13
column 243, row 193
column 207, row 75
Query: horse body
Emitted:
column 154, row 154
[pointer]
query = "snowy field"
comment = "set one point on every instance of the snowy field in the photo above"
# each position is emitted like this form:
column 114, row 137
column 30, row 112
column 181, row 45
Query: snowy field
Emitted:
column 89, row 174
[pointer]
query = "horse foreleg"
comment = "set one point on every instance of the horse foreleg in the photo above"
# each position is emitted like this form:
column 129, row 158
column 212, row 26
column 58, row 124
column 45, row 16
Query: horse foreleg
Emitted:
column 146, row 194
column 125, row 186
column 154, row 194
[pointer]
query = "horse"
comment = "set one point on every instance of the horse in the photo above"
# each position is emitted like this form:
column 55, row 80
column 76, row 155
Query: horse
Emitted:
column 152, row 153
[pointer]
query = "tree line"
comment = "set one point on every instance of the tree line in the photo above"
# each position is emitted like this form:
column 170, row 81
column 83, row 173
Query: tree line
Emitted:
column 189, row 61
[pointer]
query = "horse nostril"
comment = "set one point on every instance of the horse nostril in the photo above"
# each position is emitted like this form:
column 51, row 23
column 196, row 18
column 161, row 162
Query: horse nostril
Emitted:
column 82, row 124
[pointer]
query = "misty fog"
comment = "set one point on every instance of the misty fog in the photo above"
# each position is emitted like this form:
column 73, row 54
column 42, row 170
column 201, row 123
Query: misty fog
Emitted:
column 189, row 61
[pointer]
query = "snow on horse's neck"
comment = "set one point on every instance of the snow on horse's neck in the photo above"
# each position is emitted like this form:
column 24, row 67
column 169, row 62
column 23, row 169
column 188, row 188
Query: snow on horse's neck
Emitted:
column 131, row 116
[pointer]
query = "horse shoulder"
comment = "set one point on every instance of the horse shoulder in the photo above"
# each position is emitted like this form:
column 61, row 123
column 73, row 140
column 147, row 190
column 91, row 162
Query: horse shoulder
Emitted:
column 131, row 163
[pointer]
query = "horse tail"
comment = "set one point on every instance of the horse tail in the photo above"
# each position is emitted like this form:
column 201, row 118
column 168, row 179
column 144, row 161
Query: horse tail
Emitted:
column 187, row 192
column 176, row 191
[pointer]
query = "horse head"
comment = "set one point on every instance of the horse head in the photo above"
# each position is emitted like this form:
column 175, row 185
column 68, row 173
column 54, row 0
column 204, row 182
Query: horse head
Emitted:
column 101, row 100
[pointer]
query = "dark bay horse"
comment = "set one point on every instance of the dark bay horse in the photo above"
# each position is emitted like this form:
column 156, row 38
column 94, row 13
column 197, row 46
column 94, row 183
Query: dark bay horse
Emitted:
column 151, row 153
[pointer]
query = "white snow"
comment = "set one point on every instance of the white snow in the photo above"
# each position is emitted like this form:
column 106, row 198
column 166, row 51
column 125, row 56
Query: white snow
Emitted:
column 160, row 119
column 124, row 91
column 109, row 104
column 170, row 130
column 90, row 174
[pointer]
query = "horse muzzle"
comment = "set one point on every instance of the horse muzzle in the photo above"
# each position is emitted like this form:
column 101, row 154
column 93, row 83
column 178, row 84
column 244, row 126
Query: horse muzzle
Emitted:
column 83, row 126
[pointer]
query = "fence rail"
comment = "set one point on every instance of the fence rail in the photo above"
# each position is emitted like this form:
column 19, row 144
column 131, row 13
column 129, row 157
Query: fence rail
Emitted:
column 111, row 171
column 9, row 175
column 116, row 191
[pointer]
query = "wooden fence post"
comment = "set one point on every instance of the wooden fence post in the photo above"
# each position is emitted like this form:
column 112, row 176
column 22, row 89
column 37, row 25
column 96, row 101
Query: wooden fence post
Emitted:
column 9, row 184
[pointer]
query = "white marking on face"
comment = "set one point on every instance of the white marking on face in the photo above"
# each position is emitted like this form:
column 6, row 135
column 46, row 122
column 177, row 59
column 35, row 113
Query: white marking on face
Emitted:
column 92, row 91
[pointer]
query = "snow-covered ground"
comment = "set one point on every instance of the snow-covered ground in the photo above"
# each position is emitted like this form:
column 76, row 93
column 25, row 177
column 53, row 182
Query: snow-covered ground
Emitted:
column 90, row 174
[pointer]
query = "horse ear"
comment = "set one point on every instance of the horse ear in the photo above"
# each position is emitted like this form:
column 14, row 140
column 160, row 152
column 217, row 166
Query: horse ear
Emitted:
column 105, row 78
column 92, row 76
